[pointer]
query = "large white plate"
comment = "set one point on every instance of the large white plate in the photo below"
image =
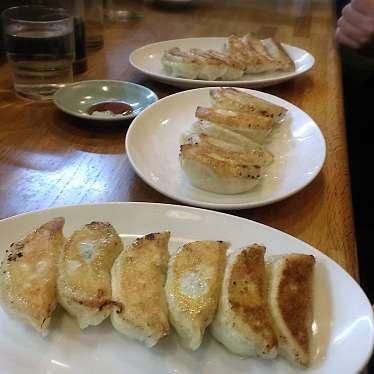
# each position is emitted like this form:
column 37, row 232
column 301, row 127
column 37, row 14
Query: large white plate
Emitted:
column 152, row 145
column 343, row 323
column 147, row 59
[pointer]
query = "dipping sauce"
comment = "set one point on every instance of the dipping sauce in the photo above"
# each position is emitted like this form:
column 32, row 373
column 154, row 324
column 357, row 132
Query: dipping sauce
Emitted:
column 110, row 109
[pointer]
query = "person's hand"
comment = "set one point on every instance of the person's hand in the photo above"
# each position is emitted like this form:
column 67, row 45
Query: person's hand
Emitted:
column 356, row 25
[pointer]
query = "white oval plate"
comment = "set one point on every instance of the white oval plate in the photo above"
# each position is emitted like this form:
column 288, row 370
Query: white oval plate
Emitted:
column 343, row 318
column 152, row 145
column 147, row 59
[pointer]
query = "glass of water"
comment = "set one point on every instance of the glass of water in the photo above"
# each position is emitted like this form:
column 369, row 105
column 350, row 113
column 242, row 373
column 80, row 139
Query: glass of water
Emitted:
column 39, row 44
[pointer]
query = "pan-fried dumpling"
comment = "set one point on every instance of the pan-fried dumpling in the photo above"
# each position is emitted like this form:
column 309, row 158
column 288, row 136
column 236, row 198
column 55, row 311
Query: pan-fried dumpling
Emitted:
column 220, row 167
column 29, row 274
column 240, row 101
column 84, row 286
column 252, row 125
column 254, row 44
column 138, row 279
column 278, row 53
column 240, row 52
column 291, row 305
column 180, row 64
column 235, row 69
column 211, row 68
column 253, row 153
column 243, row 322
column 192, row 288
column 221, row 136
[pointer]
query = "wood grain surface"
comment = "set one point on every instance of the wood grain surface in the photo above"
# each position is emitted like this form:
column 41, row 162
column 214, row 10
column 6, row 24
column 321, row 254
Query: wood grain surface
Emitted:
column 48, row 159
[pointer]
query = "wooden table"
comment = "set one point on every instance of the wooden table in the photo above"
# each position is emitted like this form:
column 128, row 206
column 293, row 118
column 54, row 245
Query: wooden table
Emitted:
column 48, row 159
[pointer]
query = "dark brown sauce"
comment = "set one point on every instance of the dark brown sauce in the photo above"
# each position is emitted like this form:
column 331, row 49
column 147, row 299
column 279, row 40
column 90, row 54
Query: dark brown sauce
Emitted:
column 115, row 107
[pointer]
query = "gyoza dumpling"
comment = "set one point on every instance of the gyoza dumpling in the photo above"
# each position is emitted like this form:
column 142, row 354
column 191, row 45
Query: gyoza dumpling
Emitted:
column 291, row 304
column 254, row 44
column 192, row 288
column 235, row 69
column 211, row 68
column 29, row 274
column 84, row 285
column 180, row 64
column 227, row 136
column 279, row 54
column 243, row 322
column 253, row 153
column 255, row 126
column 138, row 279
column 240, row 101
column 220, row 167
column 240, row 52
column 218, row 65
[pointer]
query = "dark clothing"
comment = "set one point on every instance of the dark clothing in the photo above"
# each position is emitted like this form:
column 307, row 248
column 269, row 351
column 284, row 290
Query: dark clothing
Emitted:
column 358, row 86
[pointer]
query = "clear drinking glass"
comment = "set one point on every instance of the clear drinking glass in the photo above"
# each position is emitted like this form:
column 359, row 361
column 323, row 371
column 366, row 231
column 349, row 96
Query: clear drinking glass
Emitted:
column 39, row 44
column 76, row 9
column 123, row 10
column 94, row 20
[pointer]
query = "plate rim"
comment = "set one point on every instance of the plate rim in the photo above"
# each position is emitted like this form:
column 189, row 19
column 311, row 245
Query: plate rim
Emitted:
column 101, row 119
column 226, row 206
column 319, row 254
column 192, row 82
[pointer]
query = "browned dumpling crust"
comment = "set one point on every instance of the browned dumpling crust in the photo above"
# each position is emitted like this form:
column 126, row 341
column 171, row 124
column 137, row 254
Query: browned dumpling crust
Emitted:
column 29, row 274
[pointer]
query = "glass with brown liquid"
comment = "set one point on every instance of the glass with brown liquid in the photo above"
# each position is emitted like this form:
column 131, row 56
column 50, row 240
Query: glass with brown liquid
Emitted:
column 94, row 21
